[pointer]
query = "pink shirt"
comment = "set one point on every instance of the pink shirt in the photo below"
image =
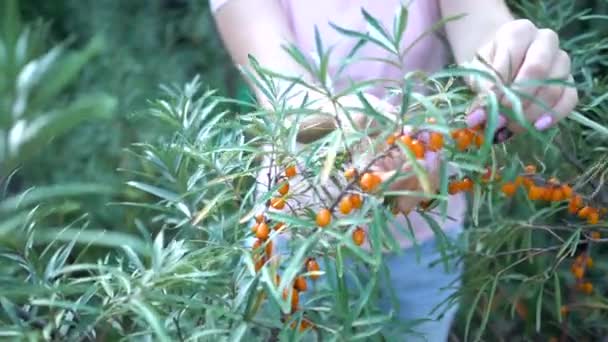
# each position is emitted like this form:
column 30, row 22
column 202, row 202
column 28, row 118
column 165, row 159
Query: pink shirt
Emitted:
column 429, row 54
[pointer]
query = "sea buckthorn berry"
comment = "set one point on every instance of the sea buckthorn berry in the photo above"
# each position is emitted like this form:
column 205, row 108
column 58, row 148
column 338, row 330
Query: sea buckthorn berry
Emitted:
column 564, row 310
column 567, row 191
column 277, row 203
column 391, row 139
column 369, row 181
column 405, row 140
column 291, row 171
column 295, row 300
column 356, row 201
column 305, row 324
column 575, row 203
column 466, row 184
column 359, row 236
column 284, row 189
column 279, row 226
column 262, row 231
column 521, row 309
column 435, row 141
column 312, row 266
column 596, row 235
column 589, row 262
column 257, row 244
column 519, row 180
column 586, row 288
column 454, row 187
column 585, row 212
column 268, row 249
column 594, row 217
column 259, row 263
column 528, row 182
column 557, row 195
column 431, row 120
column 547, row 193
column 277, row 279
column 417, row 149
column 350, row 173
column 578, row 272
column 464, row 139
column 300, row 284
column 489, row 176
column 509, row 189
column 260, row 218
column 323, row 217
column 536, row 193
column 530, row 169
column 254, row 229
column 346, row 206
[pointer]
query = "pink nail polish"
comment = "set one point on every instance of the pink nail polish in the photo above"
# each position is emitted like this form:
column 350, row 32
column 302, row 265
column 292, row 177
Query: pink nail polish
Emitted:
column 476, row 118
column 544, row 122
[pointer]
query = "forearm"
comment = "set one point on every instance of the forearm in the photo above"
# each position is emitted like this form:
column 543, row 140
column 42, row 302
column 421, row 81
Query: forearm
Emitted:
column 481, row 21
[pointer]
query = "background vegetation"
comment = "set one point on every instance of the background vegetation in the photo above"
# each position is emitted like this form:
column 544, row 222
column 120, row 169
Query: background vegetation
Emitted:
column 74, row 263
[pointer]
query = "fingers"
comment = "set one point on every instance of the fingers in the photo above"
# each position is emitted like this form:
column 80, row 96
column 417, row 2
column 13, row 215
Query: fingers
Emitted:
column 512, row 43
column 542, row 61
column 566, row 102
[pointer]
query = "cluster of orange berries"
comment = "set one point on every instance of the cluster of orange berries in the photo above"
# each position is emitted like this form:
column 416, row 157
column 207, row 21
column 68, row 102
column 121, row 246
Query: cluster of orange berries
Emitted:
column 466, row 137
column 417, row 147
column 582, row 263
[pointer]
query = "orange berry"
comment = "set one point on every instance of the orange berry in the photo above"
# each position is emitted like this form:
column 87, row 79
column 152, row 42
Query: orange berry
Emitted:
column 466, row 184
column 509, row 189
column 295, row 300
column 530, row 169
column 456, row 133
column 519, row 180
column 284, row 189
column 435, row 141
column 254, row 229
column 277, row 279
column 596, row 235
column 547, row 194
column 557, row 195
column 589, row 262
column 323, row 217
column 356, row 201
column 291, row 171
column 431, row 120
column 268, row 249
column 391, row 139
column 578, row 272
column 259, row 263
column 305, row 324
column 345, row 205
column 262, row 232
column 405, row 140
column 257, row 244
column 454, row 187
column 521, row 309
column 277, row 203
column 567, row 191
column 585, row 212
column 417, row 149
column 536, row 193
column 575, row 203
column 464, row 140
column 594, row 217
column 489, row 176
column 260, row 218
column 369, row 181
column 350, row 174
column 300, row 284
column 479, row 139
column 564, row 310
column 279, row 226
column 528, row 182
column 359, row 236
column 312, row 266
column 587, row 288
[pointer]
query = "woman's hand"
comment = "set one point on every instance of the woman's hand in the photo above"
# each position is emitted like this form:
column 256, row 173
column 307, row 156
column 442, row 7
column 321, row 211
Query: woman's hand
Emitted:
column 520, row 55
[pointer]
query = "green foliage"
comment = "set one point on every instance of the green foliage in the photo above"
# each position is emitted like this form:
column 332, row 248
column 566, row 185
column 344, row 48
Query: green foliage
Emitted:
column 168, row 258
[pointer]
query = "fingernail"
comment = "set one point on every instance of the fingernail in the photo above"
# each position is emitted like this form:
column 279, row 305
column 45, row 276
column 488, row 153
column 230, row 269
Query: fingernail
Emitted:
column 424, row 137
column 502, row 135
column 476, row 118
column 544, row 122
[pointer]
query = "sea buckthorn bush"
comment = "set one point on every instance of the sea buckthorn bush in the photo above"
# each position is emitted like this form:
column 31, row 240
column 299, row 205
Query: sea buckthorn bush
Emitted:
column 243, row 232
